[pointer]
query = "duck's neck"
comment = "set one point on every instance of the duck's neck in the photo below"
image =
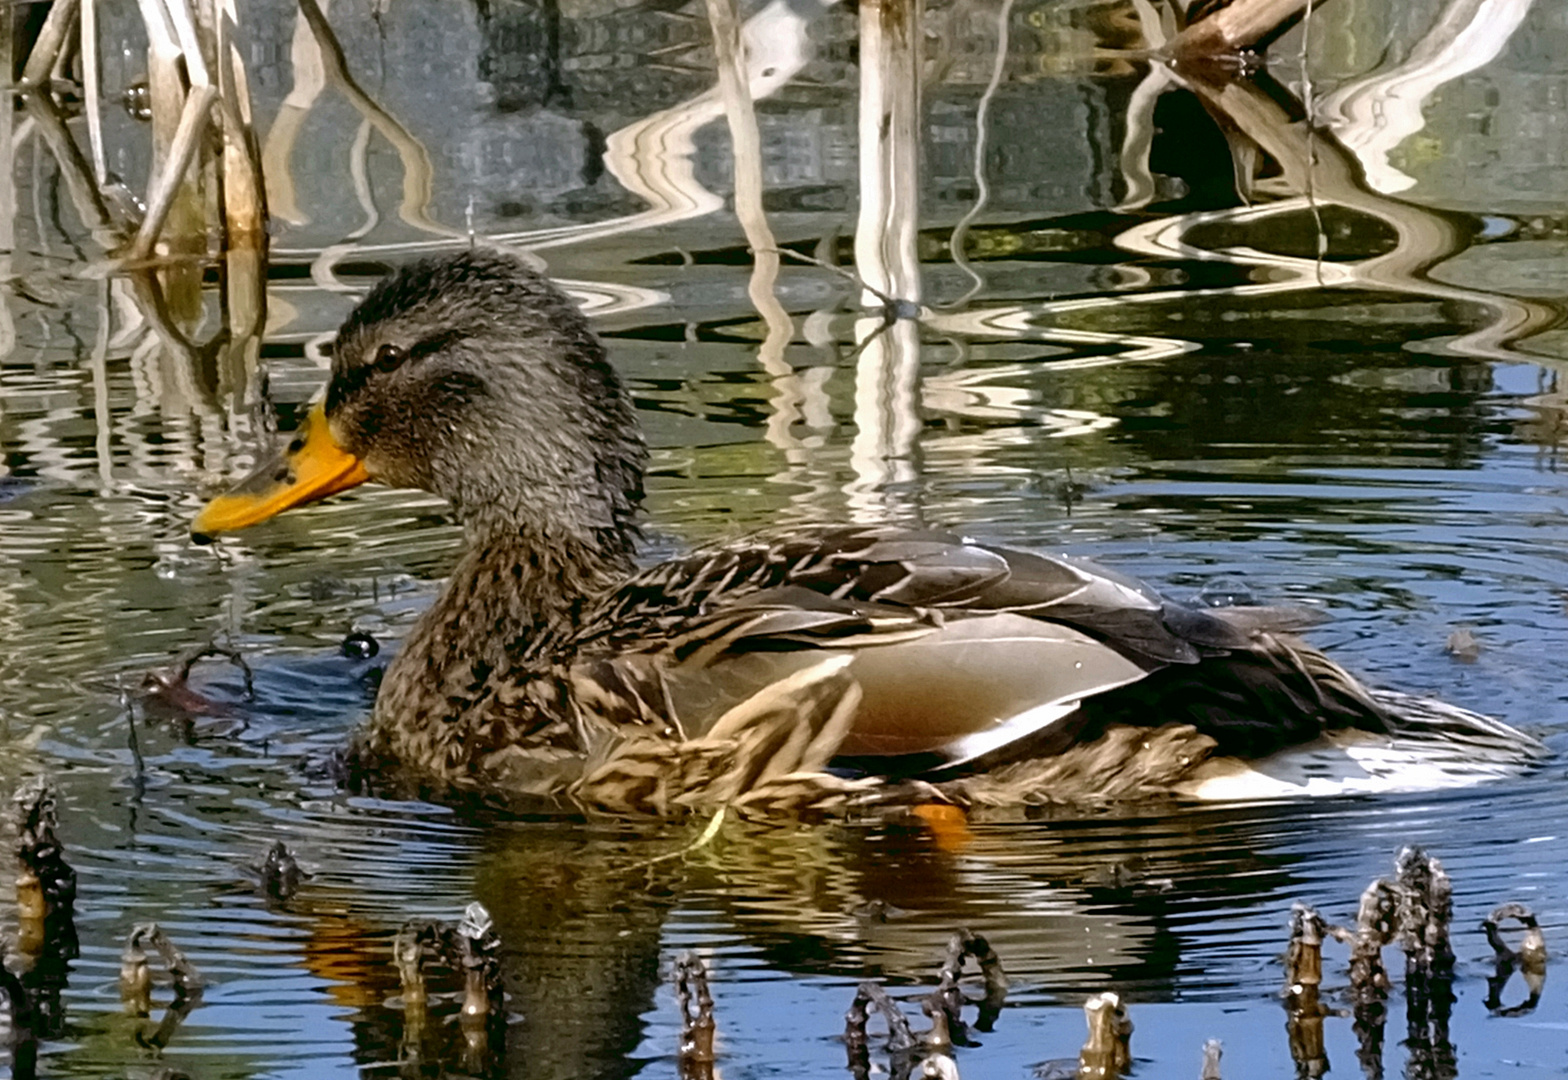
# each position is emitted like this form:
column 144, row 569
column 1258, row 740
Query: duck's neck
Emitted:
column 499, row 625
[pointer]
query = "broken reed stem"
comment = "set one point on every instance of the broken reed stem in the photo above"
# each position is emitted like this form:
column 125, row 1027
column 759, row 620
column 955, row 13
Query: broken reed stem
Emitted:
column 1304, row 959
column 92, row 90
column 1377, row 920
column 900, row 1039
column 1234, row 27
column 45, row 882
column 240, row 181
column 697, row 1024
column 136, row 975
column 1529, row 959
column 945, row 1004
column 1425, row 911
column 408, row 954
column 183, row 46
column 1532, row 950
column 50, row 43
column 1212, row 1051
column 1108, row 1051
column 182, row 151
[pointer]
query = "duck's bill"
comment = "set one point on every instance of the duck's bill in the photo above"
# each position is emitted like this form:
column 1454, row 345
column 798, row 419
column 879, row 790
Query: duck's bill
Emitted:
column 311, row 466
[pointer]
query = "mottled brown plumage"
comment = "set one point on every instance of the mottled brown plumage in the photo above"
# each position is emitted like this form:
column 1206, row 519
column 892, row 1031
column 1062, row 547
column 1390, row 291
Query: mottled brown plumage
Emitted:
column 813, row 668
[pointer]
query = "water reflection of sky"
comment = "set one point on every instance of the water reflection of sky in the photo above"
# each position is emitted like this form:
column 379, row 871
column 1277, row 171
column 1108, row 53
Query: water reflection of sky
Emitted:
column 1156, row 370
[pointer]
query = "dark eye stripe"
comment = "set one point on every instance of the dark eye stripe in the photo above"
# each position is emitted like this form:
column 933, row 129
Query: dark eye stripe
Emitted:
column 388, row 358
column 434, row 343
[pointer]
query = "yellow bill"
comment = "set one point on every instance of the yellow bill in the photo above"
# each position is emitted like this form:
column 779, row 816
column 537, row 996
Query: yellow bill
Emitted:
column 312, row 466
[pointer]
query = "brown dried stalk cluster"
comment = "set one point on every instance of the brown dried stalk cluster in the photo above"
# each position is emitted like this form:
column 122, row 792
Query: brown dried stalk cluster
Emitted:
column 468, row 952
column 206, row 166
column 1415, row 910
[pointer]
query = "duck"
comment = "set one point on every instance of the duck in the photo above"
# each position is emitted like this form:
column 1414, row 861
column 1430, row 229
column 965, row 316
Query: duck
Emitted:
column 821, row 667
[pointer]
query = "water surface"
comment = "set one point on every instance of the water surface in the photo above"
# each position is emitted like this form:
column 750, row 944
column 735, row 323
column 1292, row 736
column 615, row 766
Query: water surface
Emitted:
column 1156, row 371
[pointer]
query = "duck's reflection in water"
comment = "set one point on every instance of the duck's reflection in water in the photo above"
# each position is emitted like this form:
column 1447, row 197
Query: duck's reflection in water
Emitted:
column 585, row 916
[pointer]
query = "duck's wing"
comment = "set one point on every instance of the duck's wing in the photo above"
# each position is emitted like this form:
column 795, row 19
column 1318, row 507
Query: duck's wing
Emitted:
column 959, row 649
column 963, row 655
column 829, row 582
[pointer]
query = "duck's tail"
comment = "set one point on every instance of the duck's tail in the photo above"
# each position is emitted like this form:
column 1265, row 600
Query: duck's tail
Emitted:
column 1428, row 745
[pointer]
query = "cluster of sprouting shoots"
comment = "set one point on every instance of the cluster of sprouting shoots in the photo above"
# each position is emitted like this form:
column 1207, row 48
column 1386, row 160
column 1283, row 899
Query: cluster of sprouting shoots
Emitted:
column 929, row 1053
column 46, row 942
column 427, row 955
column 1413, row 909
column 470, row 951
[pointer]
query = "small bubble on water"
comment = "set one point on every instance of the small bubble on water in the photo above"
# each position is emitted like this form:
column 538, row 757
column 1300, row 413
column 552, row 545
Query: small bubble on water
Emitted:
column 360, row 646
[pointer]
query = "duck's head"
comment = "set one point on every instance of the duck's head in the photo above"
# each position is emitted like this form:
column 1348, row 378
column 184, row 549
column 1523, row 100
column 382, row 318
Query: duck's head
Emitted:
column 472, row 377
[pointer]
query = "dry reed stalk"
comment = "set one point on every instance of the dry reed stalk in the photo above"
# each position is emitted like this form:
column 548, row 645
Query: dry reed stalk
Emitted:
column 746, row 151
column 7, row 140
column 175, row 205
column 241, row 187
column 50, row 43
column 92, row 90
column 1234, row 27
column 888, row 226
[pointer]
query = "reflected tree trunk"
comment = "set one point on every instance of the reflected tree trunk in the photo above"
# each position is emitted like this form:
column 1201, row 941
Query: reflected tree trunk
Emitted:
column 310, row 78
column 1317, row 165
column 1375, row 114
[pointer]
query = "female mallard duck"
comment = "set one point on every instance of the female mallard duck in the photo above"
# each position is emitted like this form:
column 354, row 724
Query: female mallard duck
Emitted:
column 794, row 669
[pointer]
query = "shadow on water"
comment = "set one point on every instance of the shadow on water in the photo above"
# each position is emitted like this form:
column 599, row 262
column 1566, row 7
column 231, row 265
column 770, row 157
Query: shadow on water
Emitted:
column 1288, row 329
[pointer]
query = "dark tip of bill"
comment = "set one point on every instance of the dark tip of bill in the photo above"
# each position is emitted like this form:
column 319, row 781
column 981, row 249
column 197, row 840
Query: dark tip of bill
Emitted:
column 202, row 538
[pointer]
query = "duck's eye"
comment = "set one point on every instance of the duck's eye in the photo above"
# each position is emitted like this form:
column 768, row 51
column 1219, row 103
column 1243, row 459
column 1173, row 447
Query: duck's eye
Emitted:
column 388, row 357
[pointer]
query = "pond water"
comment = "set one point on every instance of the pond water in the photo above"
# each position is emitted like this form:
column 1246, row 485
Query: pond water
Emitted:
column 1172, row 347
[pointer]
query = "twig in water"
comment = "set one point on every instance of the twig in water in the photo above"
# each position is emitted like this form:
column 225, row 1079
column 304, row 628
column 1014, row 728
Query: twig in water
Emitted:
column 893, row 309
column 1108, row 1051
column 1530, row 958
column 695, row 1058
column 708, row 833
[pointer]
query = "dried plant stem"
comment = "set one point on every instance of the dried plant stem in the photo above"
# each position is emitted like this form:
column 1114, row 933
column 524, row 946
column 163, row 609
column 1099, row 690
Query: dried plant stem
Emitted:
column 7, row 177
column 51, row 41
column 960, row 235
column 746, row 150
column 92, row 89
column 182, row 151
column 1234, row 27
column 242, row 188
